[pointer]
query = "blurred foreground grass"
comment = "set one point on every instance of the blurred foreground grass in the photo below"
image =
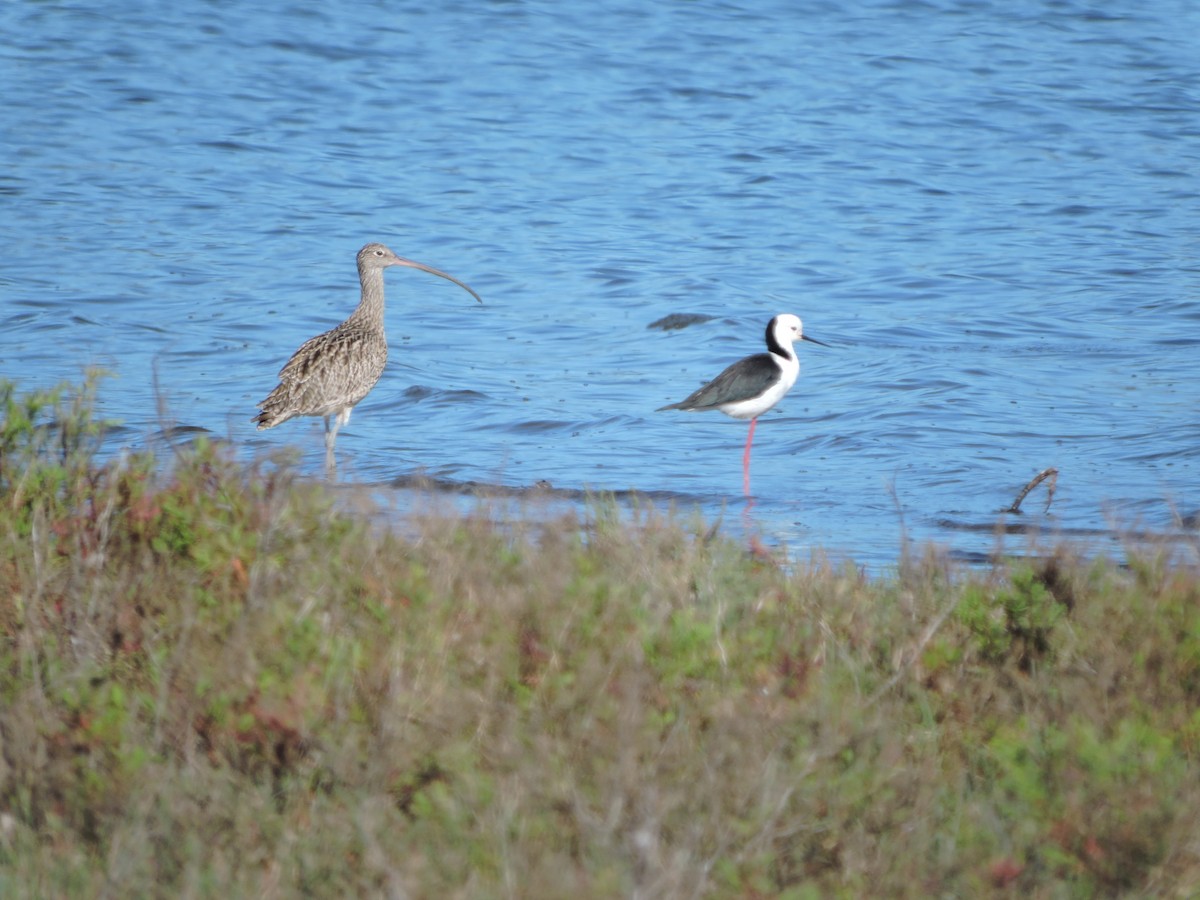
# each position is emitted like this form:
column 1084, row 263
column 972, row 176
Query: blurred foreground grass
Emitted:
column 215, row 684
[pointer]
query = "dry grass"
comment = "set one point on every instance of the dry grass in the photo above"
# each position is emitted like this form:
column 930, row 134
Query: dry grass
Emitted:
column 214, row 684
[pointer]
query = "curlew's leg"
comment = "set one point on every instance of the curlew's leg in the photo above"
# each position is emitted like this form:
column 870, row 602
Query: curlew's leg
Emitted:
column 330, row 440
column 746, row 458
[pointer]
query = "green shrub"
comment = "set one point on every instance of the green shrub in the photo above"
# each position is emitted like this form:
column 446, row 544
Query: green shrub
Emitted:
column 214, row 680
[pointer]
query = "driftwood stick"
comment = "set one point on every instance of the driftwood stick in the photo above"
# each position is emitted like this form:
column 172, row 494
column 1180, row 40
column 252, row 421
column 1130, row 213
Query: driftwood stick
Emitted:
column 1051, row 474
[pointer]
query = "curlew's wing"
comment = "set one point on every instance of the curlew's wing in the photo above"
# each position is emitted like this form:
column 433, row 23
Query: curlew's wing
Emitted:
column 298, row 367
column 329, row 373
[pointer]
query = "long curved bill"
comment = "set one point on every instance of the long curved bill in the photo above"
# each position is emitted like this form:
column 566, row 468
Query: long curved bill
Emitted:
column 803, row 337
column 432, row 271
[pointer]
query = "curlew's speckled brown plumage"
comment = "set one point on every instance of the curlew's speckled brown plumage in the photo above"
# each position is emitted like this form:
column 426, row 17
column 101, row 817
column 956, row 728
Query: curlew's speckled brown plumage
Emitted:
column 332, row 372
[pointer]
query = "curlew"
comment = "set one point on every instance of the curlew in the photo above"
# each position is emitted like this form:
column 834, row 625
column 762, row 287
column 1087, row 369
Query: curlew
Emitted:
column 332, row 372
column 751, row 386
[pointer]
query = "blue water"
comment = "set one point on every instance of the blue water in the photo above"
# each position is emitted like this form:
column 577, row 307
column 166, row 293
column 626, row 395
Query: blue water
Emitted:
column 989, row 209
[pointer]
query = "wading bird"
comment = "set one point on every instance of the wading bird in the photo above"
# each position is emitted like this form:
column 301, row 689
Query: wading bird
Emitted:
column 332, row 372
column 751, row 386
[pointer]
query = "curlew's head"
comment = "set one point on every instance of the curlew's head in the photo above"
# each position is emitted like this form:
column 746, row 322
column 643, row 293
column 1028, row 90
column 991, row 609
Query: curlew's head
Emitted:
column 374, row 257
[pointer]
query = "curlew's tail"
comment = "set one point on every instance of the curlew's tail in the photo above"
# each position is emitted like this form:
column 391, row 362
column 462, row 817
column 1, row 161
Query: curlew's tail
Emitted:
column 272, row 413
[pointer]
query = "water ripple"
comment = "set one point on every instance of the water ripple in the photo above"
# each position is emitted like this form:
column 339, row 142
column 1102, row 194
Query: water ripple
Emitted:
column 988, row 211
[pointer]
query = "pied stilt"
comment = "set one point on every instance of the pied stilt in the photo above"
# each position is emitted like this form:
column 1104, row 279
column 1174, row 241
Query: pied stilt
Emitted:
column 751, row 386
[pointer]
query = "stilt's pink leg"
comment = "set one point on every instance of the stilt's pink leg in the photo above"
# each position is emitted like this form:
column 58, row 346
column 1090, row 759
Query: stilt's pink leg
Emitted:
column 746, row 458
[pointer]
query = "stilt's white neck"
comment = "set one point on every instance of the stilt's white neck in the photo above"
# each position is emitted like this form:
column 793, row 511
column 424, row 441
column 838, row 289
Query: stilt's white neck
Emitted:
column 781, row 348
